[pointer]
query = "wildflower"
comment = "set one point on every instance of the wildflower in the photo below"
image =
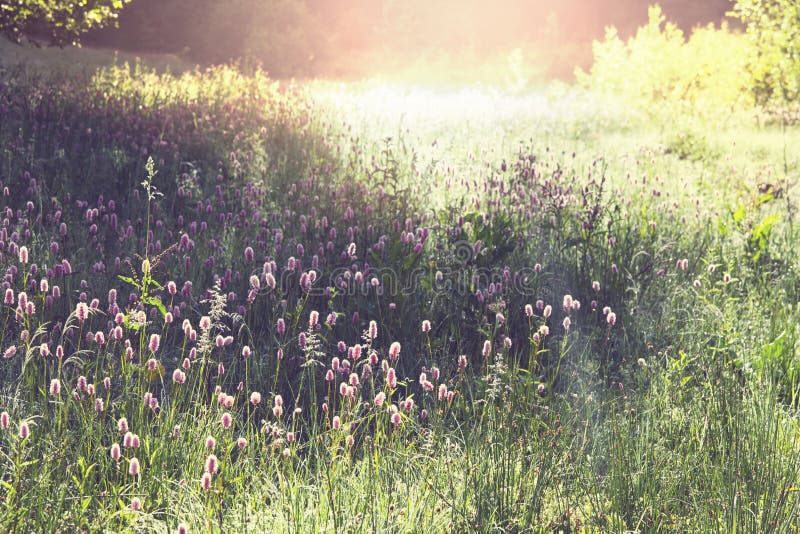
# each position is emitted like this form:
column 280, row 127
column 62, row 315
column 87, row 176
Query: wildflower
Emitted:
column 331, row 319
column 596, row 286
column 107, row 383
column 122, row 425
column 528, row 310
column 566, row 323
column 487, row 348
column 205, row 323
column 210, row 443
column 567, row 303
column 394, row 351
column 10, row 352
column 23, row 254
column 281, row 326
column 611, row 318
column 24, row 431
column 255, row 398
column 462, row 362
column 241, row 443
column 270, row 280
column 183, row 529
column 133, row 467
column 115, row 452
column 246, row 351
column 337, row 422
column 313, row 319
column 442, row 391
column 176, row 431
column 212, row 464
column 98, row 405
column 226, row 420
column 82, row 311
column 349, row 441
column 5, row 420
column 205, row 481
column 373, row 330
column 379, row 398
column 391, row 378
column 9, row 298
column 548, row 310
column 136, row 504
column 178, row 376
column 426, row 326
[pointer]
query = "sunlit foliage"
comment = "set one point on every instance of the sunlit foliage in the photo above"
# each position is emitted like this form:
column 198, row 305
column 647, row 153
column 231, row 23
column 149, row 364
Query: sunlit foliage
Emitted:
column 55, row 22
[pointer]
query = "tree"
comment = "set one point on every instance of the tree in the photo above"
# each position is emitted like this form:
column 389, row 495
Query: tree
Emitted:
column 56, row 22
column 774, row 27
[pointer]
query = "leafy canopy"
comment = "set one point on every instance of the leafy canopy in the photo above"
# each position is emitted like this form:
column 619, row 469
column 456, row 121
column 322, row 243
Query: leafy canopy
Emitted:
column 56, row 22
column 774, row 27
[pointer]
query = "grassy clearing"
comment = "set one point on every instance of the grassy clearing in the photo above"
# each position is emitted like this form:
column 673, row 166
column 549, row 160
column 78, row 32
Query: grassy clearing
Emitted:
column 526, row 312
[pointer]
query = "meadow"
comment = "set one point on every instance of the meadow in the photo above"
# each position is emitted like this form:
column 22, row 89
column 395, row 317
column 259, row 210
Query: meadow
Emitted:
column 236, row 304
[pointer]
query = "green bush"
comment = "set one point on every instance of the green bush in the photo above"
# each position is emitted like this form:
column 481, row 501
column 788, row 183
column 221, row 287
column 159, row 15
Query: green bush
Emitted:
column 773, row 28
column 661, row 71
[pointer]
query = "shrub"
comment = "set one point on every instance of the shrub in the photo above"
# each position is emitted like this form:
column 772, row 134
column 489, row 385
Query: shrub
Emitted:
column 661, row 71
column 773, row 28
